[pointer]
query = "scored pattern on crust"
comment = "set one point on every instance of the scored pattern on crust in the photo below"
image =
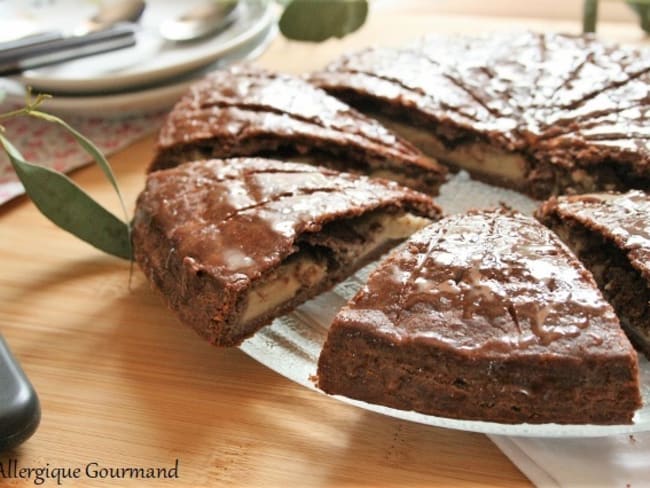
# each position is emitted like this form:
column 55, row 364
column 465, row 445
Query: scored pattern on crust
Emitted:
column 464, row 278
column 231, row 205
column 551, row 94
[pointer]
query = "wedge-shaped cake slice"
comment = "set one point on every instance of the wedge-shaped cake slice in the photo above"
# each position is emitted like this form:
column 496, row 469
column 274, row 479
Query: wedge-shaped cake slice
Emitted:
column 541, row 113
column 246, row 111
column 610, row 233
column 232, row 244
column 484, row 316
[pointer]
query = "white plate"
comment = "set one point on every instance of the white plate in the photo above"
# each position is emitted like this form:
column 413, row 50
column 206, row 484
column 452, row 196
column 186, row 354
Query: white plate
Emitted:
column 149, row 100
column 291, row 345
column 151, row 60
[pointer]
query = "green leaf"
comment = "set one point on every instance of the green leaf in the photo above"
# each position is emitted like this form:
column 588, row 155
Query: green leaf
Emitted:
column 90, row 148
column 589, row 15
column 642, row 8
column 318, row 20
column 69, row 207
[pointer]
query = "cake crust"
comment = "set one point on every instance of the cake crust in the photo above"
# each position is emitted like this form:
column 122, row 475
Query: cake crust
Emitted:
column 484, row 316
column 215, row 236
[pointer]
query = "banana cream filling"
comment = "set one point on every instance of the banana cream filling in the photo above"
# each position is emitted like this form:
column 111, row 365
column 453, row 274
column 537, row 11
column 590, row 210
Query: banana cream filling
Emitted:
column 475, row 157
column 304, row 270
column 289, row 278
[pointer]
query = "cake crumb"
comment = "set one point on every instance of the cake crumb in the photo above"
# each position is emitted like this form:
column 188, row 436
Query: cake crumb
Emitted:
column 632, row 439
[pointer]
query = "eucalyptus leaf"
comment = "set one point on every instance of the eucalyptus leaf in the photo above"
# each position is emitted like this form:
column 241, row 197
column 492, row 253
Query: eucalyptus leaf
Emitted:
column 69, row 207
column 318, row 20
column 589, row 15
column 89, row 147
column 642, row 8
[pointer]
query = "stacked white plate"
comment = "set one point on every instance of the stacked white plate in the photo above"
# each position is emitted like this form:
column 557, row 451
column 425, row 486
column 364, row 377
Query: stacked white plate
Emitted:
column 147, row 77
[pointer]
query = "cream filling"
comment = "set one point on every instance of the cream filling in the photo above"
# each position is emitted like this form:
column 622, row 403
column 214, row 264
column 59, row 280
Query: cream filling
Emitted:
column 394, row 227
column 303, row 271
column 475, row 157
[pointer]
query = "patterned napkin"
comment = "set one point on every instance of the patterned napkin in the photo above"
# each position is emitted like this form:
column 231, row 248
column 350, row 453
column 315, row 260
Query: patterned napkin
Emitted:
column 49, row 145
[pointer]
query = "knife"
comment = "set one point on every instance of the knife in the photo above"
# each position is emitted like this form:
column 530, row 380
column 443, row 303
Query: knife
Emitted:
column 52, row 47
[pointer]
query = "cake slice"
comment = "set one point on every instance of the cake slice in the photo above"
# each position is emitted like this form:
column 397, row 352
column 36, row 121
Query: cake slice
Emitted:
column 484, row 316
column 246, row 111
column 540, row 113
column 232, row 244
column 610, row 234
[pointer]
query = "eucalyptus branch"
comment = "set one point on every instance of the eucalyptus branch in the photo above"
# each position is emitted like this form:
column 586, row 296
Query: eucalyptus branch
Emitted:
column 60, row 199
column 32, row 103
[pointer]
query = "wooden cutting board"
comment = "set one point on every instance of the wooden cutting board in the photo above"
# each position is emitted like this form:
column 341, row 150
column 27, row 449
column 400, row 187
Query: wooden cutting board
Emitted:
column 123, row 384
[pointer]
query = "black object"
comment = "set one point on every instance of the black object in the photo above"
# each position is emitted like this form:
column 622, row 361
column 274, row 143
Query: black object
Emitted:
column 52, row 47
column 20, row 411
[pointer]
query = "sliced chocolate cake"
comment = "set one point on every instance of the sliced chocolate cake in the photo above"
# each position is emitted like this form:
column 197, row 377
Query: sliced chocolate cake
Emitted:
column 246, row 111
column 232, row 244
column 485, row 316
column 610, row 233
column 541, row 113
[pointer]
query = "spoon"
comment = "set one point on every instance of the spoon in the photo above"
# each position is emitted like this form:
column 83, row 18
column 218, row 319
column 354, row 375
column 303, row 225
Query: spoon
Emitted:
column 111, row 13
column 200, row 21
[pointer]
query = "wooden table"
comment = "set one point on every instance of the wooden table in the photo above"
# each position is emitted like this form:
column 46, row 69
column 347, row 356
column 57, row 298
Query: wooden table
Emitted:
column 122, row 383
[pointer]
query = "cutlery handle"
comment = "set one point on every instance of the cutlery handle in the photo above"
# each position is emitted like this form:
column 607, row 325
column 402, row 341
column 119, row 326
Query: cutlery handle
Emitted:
column 20, row 410
column 30, row 40
column 49, row 48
